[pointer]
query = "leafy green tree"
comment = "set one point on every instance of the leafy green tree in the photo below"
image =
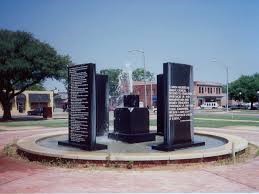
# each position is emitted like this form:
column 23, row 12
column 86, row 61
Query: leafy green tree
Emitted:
column 113, row 79
column 224, row 88
column 245, row 88
column 138, row 75
column 24, row 62
column 37, row 87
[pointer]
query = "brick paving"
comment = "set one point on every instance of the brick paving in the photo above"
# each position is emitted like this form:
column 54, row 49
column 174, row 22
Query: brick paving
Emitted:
column 18, row 176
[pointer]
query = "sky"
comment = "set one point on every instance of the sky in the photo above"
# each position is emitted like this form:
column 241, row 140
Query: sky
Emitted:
column 207, row 34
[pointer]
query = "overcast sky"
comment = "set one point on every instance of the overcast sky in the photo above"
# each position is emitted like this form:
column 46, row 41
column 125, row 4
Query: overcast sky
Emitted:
column 192, row 32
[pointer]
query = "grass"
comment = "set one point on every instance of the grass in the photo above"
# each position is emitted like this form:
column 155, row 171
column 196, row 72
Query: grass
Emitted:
column 233, row 121
column 229, row 117
column 251, row 152
column 44, row 123
column 218, row 123
column 152, row 122
column 64, row 123
column 248, row 111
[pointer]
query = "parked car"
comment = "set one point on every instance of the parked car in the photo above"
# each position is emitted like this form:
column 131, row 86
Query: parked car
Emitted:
column 209, row 105
column 36, row 111
column 254, row 108
column 237, row 107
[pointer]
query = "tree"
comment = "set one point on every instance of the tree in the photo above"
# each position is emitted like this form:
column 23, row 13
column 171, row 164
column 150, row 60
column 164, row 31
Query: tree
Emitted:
column 245, row 88
column 113, row 79
column 138, row 75
column 24, row 62
column 224, row 88
column 37, row 87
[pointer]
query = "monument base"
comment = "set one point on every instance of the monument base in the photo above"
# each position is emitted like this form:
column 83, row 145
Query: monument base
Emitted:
column 132, row 138
column 159, row 133
column 83, row 147
column 168, row 148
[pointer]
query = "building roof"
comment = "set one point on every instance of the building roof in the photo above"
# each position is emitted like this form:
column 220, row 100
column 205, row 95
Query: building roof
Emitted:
column 205, row 83
column 139, row 83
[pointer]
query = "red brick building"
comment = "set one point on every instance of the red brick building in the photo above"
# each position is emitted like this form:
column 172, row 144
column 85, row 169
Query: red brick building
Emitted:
column 139, row 89
column 203, row 92
column 207, row 92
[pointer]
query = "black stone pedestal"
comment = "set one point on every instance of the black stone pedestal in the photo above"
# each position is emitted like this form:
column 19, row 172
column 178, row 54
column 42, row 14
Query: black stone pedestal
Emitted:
column 172, row 147
column 131, row 125
column 82, row 146
column 131, row 101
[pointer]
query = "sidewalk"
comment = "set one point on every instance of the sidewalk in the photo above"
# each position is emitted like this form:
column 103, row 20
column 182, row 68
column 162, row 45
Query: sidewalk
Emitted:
column 20, row 176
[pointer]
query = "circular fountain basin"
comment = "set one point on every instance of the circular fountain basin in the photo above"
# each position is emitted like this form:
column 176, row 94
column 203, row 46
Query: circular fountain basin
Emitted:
column 216, row 144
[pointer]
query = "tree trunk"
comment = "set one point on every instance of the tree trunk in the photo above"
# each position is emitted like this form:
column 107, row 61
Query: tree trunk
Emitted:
column 252, row 105
column 7, row 110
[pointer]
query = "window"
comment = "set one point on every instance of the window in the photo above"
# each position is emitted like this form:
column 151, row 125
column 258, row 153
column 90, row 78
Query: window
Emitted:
column 199, row 89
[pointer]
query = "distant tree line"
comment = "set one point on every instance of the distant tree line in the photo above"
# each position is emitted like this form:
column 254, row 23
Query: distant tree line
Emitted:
column 245, row 88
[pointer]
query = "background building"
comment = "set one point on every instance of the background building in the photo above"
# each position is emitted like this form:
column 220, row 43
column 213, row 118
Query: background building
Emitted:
column 203, row 92
column 60, row 100
column 207, row 92
column 151, row 87
column 29, row 100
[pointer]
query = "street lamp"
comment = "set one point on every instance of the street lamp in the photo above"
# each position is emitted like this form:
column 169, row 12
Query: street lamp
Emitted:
column 55, row 93
column 226, row 82
column 240, row 95
column 145, row 85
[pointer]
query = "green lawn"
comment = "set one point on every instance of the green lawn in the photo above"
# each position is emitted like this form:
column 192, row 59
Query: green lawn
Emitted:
column 228, row 116
column 197, row 123
column 247, row 111
column 218, row 124
column 215, row 124
column 44, row 123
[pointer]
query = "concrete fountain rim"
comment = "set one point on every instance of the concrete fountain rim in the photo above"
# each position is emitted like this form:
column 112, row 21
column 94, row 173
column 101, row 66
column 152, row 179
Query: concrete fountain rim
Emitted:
column 29, row 145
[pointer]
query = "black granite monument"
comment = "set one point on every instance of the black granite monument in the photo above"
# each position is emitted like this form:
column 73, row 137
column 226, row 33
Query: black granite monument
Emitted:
column 102, row 98
column 176, row 109
column 82, row 108
column 131, row 123
column 160, row 105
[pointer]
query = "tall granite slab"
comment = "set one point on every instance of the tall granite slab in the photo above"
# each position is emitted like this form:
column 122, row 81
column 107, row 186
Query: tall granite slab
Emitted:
column 178, row 108
column 102, row 110
column 160, row 105
column 82, row 108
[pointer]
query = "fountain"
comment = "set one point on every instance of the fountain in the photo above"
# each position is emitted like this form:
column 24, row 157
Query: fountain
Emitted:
column 131, row 123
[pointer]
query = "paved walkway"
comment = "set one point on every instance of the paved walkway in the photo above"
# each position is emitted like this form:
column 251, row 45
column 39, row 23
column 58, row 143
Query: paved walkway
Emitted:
column 21, row 177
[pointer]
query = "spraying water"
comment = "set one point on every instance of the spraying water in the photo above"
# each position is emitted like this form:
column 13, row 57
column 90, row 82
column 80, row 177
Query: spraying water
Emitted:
column 125, row 86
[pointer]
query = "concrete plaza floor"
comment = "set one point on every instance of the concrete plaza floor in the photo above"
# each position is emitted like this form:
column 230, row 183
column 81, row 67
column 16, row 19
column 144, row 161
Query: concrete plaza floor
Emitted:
column 18, row 176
